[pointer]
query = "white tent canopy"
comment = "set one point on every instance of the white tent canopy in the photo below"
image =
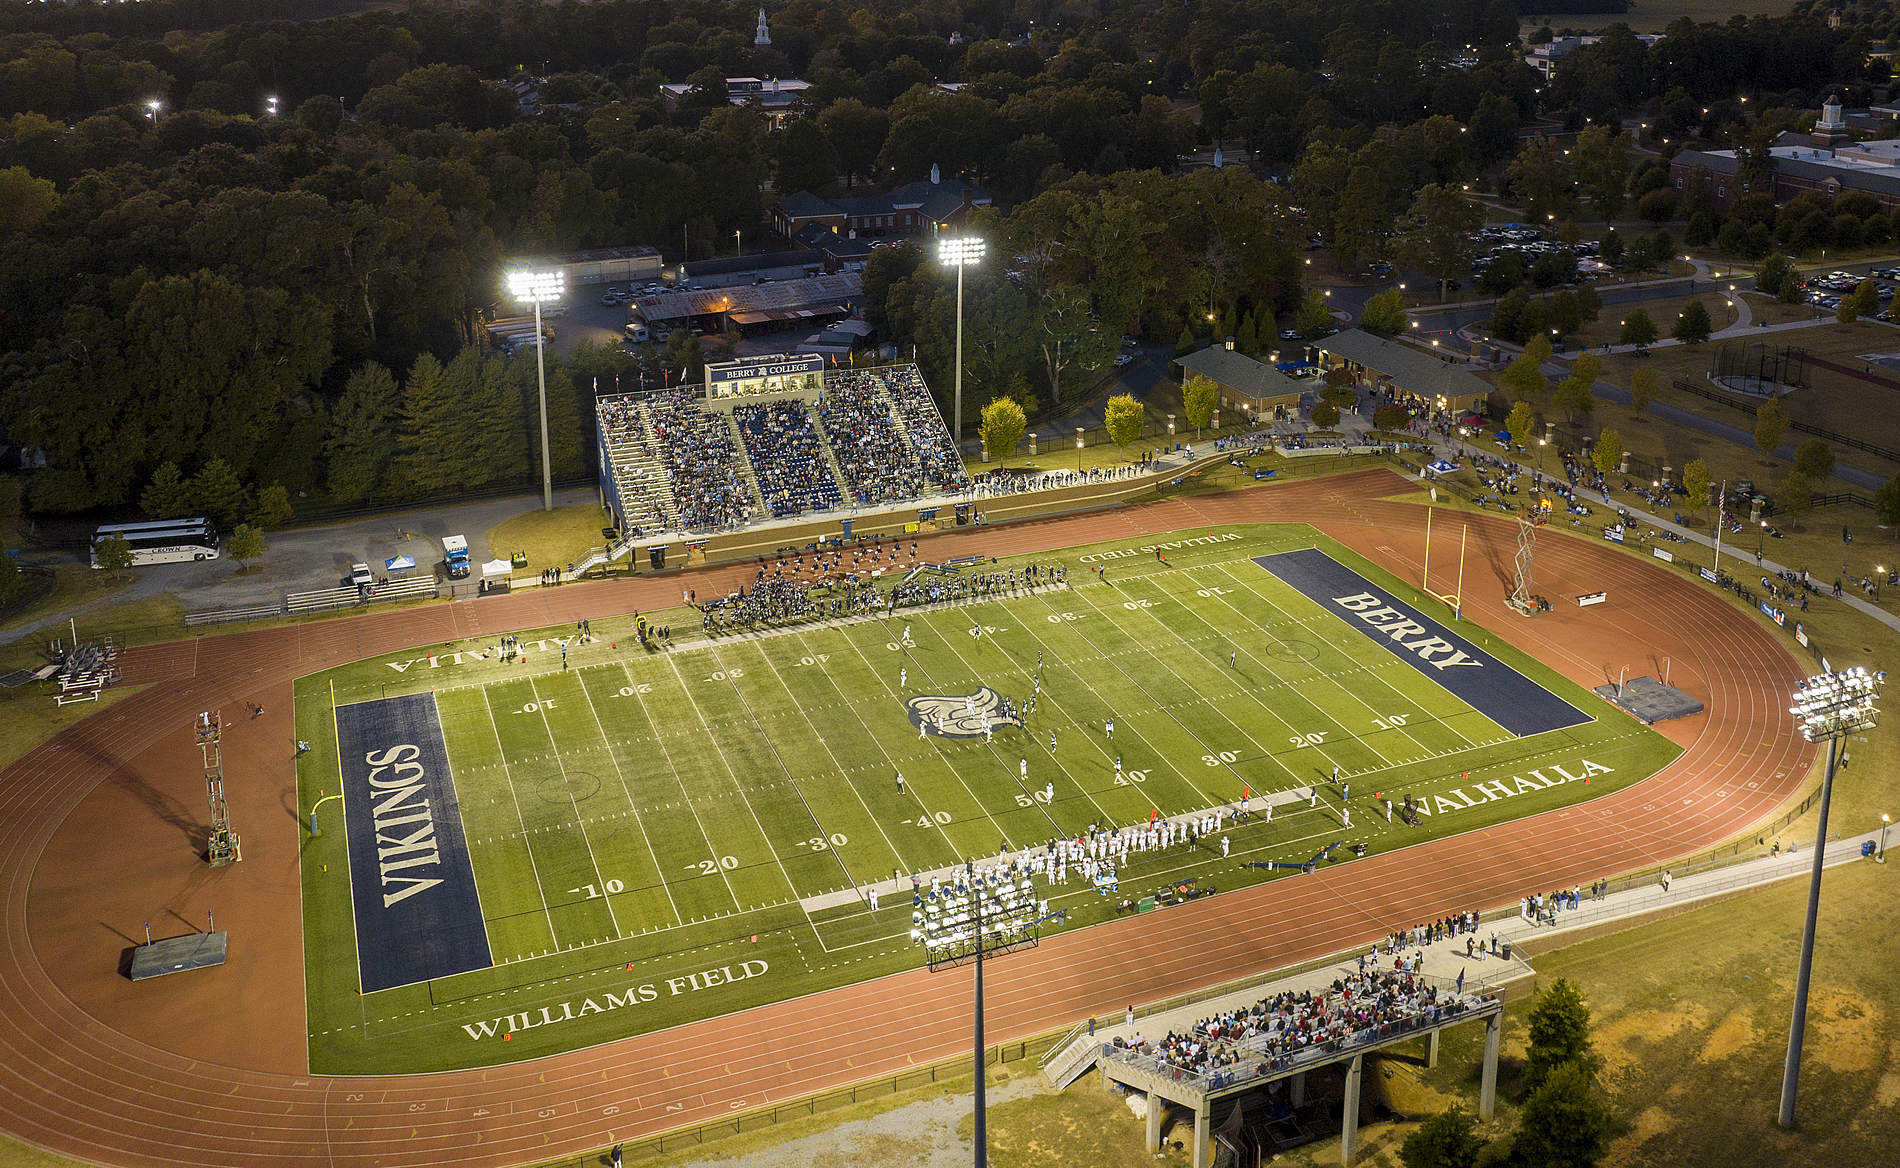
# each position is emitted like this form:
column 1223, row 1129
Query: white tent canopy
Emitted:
column 496, row 568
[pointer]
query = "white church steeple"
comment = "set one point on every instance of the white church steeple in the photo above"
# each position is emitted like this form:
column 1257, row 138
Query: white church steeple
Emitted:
column 764, row 35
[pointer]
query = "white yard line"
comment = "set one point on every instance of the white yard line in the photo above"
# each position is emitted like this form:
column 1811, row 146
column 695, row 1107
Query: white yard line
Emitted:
column 1468, row 742
column 526, row 844
column 1207, row 799
column 586, row 840
column 765, row 836
column 638, row 820
column 685, row 795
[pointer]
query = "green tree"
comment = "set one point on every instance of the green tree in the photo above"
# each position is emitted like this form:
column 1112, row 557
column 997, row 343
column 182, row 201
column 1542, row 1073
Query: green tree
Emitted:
column 1521, row 423
column 1385, row 314
column 1574, row 398
column 1247, row 340
column 1693, row 326
column 245, row 544
column 1864, row 300
column 114, row 554
column 1002, row 427
column 1391, row 417
column 1795, row 496
column 1815, row 459
column 167, row 496
column 1638, row 328
column 1436, row 236
column 216, row 490
column 428, row 432
column 1198, row 399
column 1560, row 1020
column 1562, row 1124
column 1125, row 419
column 1511, row 317
column 362, row 438
column 25, row 201
column 1887, row 503
column 1696, row 481
column 1446, row 1140
column 1642, row 388
column 1774, row 272
column 1541, row 176
column 1184, row 344
column 1769, row 426
column 1602, row 159
column 1525, row 378
column 1339, row 377
column 1608, row 452
column 1564, row 313
column 1538, row 347
column 9, row 574
column 857, row 132
column 1315, row 316
column 273, row 508
column 1325, row 415
column 1361, row 222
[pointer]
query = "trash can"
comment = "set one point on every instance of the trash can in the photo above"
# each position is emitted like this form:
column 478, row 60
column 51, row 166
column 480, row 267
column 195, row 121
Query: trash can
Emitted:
column 1866, row 848
column 1507, row 951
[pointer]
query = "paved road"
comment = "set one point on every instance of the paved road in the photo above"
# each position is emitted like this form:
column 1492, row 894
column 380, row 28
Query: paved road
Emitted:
column 306, row 558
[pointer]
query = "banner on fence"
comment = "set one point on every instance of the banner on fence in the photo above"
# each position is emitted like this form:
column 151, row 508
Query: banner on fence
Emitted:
column 1706, row 573
column 1614, row 533
column 1589, row 599
column 1801, row 634
column 1773, row 613
column 1663, row 554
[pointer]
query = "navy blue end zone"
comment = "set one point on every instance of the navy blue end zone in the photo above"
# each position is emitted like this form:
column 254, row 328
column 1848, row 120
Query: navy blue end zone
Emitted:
column 1493, row 688
column 417, row 912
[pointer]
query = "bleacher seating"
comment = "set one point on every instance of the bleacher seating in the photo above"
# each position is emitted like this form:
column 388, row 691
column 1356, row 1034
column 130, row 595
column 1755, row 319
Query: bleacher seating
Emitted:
column 782, row 439
column 701, row 461
column 678, row 466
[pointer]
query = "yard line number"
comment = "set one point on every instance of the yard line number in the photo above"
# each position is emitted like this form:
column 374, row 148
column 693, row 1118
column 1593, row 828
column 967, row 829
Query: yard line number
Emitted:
column 711, row 867
column 593, row 893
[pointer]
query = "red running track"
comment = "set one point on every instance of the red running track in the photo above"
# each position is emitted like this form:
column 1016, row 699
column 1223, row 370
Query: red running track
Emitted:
column 99, row 826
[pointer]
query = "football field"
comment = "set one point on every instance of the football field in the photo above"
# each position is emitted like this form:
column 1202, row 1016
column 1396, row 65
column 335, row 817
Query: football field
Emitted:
column 661, row 836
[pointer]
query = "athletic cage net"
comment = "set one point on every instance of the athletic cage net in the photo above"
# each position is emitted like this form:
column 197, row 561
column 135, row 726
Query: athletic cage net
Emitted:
column 1758, row 368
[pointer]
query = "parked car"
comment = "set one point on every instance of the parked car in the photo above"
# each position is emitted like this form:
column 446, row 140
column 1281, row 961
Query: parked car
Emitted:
column 1123, row 359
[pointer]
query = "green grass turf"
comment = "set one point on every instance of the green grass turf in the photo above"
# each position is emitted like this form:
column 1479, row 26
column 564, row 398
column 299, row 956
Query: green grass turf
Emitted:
column 640, row 818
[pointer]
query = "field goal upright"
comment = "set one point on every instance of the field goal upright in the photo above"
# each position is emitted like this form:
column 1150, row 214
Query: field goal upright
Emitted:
column 223, row 847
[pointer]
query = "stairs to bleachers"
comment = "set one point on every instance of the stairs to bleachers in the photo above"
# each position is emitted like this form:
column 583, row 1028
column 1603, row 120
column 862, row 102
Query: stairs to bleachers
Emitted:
column 831, row 456
column 743, row 464
column 897, row 415
column 666, row 507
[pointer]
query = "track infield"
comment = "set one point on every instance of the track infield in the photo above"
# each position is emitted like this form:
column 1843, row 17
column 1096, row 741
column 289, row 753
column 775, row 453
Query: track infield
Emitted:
column 659, row 838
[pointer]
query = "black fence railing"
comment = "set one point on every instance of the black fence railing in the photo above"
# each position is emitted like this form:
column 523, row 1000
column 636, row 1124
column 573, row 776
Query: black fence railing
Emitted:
column 1748, row 407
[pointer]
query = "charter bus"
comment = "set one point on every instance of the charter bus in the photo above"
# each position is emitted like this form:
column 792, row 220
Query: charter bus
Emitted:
column 163, row 541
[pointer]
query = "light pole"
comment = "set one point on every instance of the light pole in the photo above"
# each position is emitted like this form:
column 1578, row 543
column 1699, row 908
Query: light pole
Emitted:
column 151, row 110
column 959, row 251
column 1830, row 706
column 982, row 1138
column 536, row 287
column 1078, row 450
column 1881, row 855
column 272, row 100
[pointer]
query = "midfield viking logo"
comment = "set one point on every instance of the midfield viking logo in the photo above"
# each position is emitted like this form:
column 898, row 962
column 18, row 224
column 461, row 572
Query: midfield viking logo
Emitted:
column 960, row 716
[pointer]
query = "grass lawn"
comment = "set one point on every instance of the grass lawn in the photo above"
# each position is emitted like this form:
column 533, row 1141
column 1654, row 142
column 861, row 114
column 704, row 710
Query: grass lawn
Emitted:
column 1608, row 326
column 660, row 810
column 551, row 539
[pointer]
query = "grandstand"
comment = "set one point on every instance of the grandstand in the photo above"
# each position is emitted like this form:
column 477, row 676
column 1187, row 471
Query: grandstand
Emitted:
column 677, row 460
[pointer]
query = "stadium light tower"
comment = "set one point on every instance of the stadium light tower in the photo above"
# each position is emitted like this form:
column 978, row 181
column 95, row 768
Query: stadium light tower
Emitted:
column 537, row 288
column 1830, row 706
column 959, row 251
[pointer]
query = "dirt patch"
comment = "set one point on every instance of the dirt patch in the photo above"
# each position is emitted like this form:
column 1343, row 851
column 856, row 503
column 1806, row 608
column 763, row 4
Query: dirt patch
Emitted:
column 1613, row 1039
column 1650, row 1123
column 1736, row 1032
column 1849, row 1027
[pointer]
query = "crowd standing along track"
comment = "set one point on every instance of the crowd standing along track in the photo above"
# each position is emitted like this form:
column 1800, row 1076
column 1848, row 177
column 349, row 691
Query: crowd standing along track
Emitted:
column 98, row 829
